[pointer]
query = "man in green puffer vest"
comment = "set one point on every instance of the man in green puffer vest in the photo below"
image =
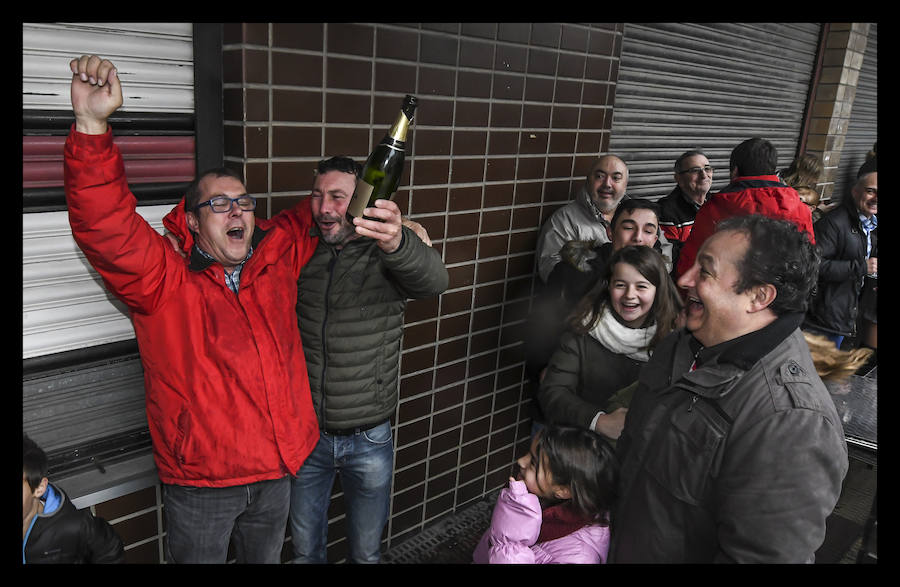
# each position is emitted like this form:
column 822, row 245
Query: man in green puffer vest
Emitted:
column 351, row 300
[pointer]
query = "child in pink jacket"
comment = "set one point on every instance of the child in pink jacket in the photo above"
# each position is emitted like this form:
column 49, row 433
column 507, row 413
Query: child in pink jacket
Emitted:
column 557, row 511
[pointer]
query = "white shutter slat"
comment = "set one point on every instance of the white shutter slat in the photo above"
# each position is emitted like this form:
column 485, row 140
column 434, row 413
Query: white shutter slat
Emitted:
column 64, row 303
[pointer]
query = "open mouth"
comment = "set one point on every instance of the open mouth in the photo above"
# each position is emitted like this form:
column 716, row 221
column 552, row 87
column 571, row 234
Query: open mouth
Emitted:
column 236, row 233
column 694, row 304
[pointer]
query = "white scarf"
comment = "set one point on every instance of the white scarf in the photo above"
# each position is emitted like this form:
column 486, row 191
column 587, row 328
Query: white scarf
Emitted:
column 620, row 339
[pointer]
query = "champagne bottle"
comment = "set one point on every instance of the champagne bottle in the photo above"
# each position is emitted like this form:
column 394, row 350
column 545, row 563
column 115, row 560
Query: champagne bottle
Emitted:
column 383, row 168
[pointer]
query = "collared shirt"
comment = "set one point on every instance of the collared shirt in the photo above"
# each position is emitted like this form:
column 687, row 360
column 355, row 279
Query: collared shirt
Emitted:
column 232, row 280
column 868, row 225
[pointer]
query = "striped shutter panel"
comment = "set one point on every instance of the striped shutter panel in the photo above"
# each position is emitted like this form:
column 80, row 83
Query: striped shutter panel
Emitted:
column 862, row 128
column 82, row 388
column 708, row 86
column 144, row 55
column 155, row 63
column 65, row 305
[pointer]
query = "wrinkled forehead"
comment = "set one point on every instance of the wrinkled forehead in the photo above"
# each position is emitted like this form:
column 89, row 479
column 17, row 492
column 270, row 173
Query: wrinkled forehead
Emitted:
column 609, row 165
column 725, row 247
column 335, row 180
column 211, row 186
column 867, row 182
column 693, row 161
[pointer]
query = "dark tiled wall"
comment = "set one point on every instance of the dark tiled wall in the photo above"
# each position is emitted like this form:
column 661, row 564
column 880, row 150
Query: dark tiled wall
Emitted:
column 511, row 117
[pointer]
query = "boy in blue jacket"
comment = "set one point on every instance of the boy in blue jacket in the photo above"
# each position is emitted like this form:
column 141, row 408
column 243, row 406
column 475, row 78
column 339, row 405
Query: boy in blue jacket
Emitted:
column 53, row 531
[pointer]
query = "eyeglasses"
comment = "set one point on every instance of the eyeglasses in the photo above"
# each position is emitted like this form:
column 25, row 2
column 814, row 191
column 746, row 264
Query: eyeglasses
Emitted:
column 697, row 170
column 223, row 204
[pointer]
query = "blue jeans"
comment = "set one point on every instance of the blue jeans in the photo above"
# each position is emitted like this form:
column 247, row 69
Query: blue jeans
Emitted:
column 365, row 461
column 200, row 522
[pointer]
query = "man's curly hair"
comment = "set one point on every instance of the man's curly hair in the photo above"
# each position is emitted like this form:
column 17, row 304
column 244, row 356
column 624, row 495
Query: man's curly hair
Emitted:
column 779, row 254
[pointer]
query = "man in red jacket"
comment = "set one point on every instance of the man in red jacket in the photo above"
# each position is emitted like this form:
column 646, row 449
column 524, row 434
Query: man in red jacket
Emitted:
column 754, row 189
column 228, row 401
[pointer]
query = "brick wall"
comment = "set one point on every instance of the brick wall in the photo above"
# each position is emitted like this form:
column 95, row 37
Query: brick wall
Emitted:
column 844, row 49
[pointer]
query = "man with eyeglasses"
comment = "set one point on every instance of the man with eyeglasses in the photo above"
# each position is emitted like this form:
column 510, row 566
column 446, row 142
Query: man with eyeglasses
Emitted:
column 693, row 178
column 227, row 394
column 754, row 189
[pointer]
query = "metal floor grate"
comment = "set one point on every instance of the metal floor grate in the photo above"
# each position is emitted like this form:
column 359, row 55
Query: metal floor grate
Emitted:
column 449, row 541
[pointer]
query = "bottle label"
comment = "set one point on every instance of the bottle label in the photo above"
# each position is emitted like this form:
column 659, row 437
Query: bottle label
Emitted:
column 360, row 198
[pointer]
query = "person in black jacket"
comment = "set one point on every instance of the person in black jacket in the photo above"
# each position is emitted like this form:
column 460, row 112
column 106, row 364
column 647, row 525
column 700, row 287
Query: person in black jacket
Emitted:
column 635, row 222
column 733, row 450
column 847, row 240
column 53, row 531
column 693, row 178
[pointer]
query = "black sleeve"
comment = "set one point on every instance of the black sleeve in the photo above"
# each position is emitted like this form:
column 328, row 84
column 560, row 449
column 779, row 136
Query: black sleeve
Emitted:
column 103, row 544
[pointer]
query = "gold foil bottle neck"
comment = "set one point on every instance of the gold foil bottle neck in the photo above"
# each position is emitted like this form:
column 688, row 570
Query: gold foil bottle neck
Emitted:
column 398, row 131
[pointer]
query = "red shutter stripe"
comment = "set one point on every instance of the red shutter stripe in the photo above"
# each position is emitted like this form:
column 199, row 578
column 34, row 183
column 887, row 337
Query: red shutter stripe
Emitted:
column 151, row 159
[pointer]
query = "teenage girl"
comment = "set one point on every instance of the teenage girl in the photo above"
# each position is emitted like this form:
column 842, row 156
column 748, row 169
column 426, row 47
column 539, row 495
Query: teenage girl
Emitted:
column 614, row 328
column 557, row 509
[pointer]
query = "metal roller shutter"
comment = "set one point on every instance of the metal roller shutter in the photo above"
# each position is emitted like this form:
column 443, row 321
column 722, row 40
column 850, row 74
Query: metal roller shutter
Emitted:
column 862, row 129
column 82, row 388
column 143, row 53
column 708, row 86
column 58, row 313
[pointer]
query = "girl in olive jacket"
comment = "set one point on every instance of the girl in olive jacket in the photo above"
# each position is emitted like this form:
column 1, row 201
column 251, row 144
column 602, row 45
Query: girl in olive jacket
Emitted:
column 614, row 329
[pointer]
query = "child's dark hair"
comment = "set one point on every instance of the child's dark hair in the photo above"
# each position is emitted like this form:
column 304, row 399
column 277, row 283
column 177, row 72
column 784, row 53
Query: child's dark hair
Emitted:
column 34, row 462
column 584, row 462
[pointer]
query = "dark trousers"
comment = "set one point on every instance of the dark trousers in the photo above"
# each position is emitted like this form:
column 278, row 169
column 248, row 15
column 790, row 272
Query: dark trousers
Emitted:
column 201, row 521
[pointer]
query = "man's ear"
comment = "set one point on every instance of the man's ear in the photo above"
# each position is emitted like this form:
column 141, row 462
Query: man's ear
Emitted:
column 762, row 296
column 192, row 221
column 41, row 489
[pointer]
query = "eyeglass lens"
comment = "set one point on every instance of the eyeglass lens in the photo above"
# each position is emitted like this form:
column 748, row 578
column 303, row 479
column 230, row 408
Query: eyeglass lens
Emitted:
column 223, row 203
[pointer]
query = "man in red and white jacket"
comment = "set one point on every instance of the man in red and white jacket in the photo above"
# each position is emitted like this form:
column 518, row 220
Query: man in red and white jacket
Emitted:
column 754, row 189
column 227, row 393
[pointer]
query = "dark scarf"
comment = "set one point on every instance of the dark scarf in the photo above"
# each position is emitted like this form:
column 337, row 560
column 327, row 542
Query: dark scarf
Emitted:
column 561, row 520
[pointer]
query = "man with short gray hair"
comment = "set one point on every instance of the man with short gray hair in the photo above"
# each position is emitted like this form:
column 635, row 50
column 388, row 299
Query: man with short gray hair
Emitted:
column 693, row 178
column 587, row 217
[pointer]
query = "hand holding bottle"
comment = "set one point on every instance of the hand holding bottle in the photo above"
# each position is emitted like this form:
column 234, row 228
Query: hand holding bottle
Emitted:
column 386, row 228
column 384, row 167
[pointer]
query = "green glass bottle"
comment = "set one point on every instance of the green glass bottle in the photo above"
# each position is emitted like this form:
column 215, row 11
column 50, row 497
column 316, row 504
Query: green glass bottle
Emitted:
column 382, row 171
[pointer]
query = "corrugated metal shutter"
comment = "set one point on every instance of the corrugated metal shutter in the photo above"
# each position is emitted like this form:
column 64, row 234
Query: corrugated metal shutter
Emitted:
column 82, row 388
column 708, row 86
column 862, row 128
column 64, row 305
column 144, row 54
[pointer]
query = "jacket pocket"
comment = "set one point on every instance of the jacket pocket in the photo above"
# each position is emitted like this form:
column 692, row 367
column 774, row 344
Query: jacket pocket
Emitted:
column 182, row 437
column 687, row 458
